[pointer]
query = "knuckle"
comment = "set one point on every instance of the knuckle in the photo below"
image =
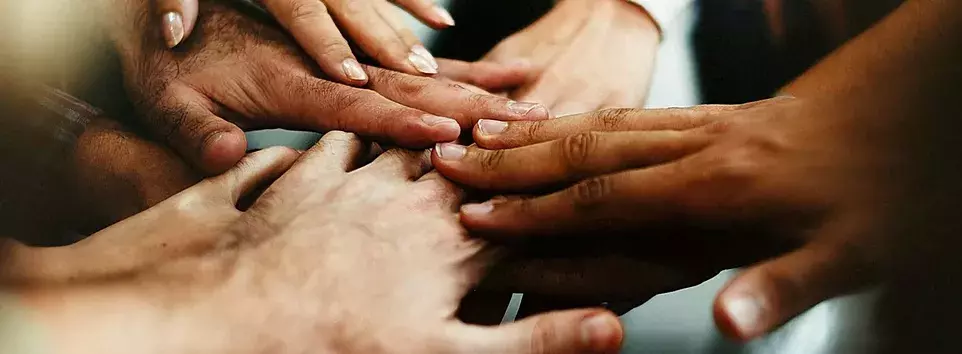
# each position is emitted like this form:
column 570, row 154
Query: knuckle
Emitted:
column 541, row 334
column 734, row 165
column 612, row 119
column 577, row 149
column 589, row 194
column 532, row 130
column 721, row 127
column 491, row 160
column 306, row 13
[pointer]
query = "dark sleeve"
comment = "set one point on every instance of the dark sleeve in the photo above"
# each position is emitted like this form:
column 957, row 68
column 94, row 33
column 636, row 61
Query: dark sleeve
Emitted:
column 39, row 128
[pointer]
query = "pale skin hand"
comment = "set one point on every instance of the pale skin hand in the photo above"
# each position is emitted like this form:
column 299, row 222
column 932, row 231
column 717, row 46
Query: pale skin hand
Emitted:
column 243, row 74
column 317, row 25
column 335, row 256
column 849, row 172
column 589, row 55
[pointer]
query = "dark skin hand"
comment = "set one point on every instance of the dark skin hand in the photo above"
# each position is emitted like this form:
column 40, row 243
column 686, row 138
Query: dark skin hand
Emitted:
column 238, row 72
column 113, row 173
column 824, row 194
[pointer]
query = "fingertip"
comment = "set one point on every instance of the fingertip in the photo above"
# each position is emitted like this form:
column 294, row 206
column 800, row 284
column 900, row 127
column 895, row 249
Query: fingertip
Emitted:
column 487, row 133
column 441, row 129
column 740, row 314
column 222, row 150
column 352, row 70
column 602, row 332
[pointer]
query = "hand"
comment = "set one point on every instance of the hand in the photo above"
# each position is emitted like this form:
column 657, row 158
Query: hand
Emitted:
column 762, row 173
column 590, row 54
column 335, row 256
column 111, row 174
column 245, row 73
column 317, row 27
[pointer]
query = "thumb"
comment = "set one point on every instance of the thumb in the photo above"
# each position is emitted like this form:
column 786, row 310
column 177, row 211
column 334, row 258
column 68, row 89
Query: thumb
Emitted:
column 177, row 18
column 254, row 171
column 207, row 141
column 765, row 296
column 574, row 331
column 146, row 239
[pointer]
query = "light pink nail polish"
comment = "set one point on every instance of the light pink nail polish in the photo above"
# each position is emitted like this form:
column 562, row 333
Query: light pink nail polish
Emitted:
column 173, row 26
column 445, row 16
column 353, row 69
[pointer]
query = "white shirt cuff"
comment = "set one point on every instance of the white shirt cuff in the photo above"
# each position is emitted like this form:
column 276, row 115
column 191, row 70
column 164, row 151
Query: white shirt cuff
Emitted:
column 663, row 11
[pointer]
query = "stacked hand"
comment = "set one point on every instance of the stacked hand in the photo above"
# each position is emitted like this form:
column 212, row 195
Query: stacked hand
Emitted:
column 335, row 256
column 241, row 73
column 317, row 26
column 588, row 55
column 752, row 180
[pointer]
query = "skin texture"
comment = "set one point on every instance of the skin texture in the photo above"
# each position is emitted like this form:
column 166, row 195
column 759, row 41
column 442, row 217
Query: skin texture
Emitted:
column 372, row 25
column 843, row 187
column 588, row 54
column 239, row 72
column 336, row 256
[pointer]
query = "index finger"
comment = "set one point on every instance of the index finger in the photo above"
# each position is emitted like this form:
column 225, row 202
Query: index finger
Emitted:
column 504, row 135
column 630, row 198
column 450, row 100
column 314, row 29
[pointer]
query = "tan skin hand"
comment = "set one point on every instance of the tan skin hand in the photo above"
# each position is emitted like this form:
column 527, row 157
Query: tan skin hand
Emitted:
column 245, row 74
column 589, row 55
column 335, row 256
column 317, row 25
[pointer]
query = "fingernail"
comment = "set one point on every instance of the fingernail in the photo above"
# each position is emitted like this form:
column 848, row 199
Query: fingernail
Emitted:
column 422, row 64
column 446, row 17
column 450, row 152
column 478, row 209
column 526, row 108
column 353, row 69
column 598, row 332
column 173, row 25
column 448, row 125
column 746, row 313
column 424, row 53
column 491, row 127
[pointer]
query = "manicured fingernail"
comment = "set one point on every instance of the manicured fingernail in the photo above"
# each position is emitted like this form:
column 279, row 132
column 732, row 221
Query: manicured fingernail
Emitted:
column 598, row 332
column 353, row 69
column 491, row 127
column 422, row 64
column 478, row 209
column 450, row 152
column 424, row 53
column 173, row 24
column 526, row 108
column 746, row 313
column 446, row 17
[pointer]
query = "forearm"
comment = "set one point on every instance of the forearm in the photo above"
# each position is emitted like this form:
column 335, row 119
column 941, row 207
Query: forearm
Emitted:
column 82, row 320
column 910, row 58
